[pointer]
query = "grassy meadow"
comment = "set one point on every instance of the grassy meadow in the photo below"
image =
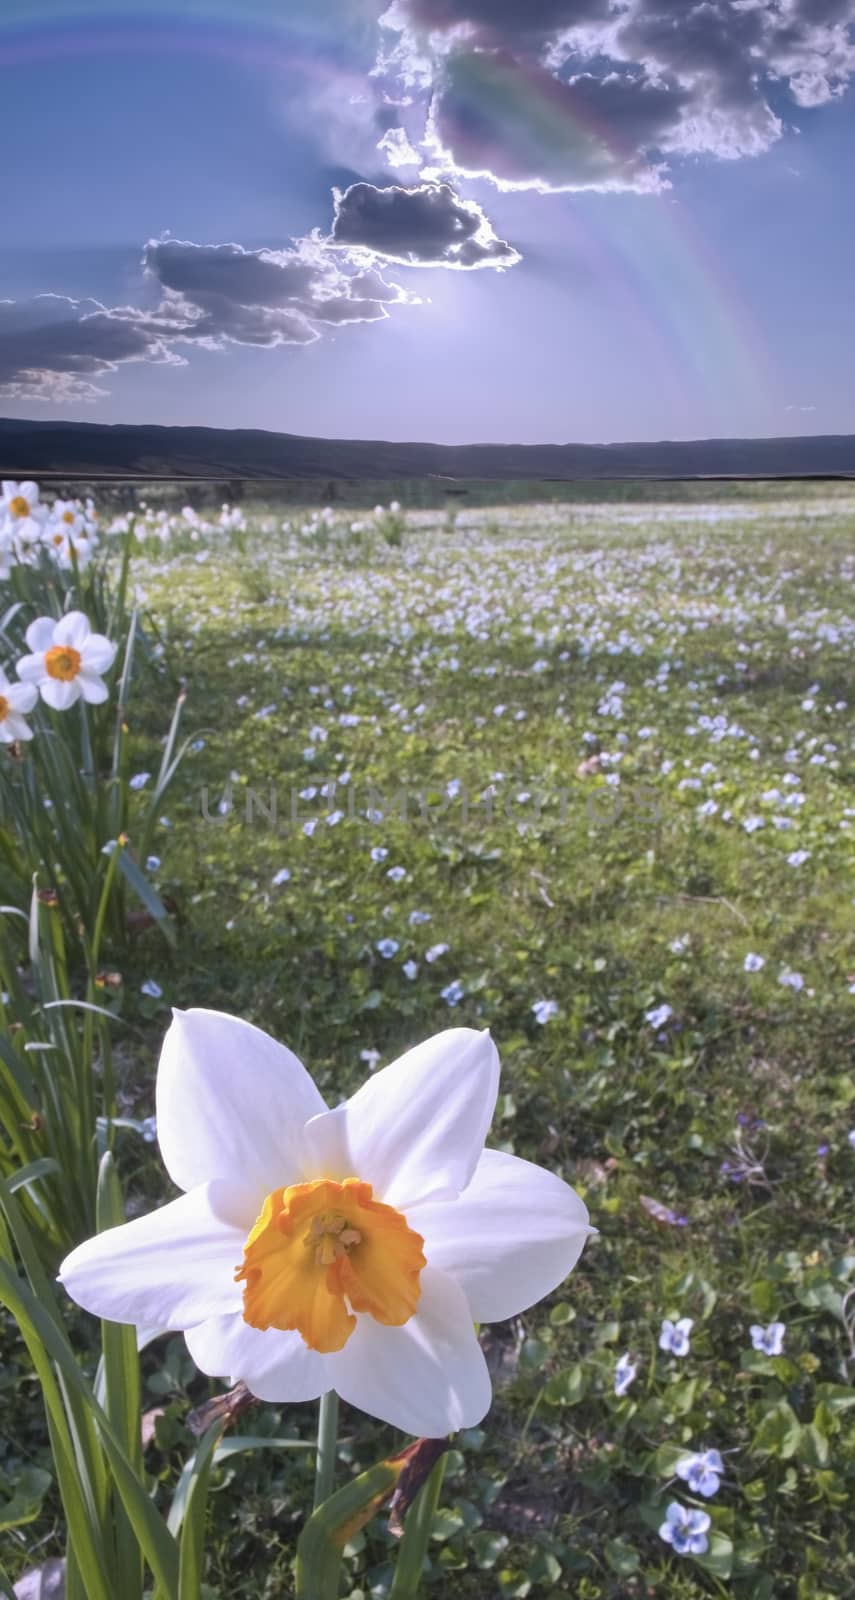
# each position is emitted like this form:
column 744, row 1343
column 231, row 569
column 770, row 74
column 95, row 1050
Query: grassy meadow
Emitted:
column 578, row 771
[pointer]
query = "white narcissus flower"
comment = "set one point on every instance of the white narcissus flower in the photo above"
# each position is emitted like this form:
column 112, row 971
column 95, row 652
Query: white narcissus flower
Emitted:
column 67, row 537
column 67, row 660
column 70, row 518
column 15, row 699
column 20, row 508
column 350, row 1249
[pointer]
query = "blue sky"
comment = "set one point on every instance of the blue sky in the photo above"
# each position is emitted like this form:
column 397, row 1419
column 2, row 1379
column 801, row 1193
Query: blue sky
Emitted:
column 625, row 220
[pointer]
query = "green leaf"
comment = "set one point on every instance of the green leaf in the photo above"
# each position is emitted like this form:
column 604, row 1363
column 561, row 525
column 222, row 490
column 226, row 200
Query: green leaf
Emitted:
column 621, row 1558
column 25, row 1503
column 823, row 1297
column 544, row 1568
column 681, row 1396
column 779, row 1432
column 837, row 1396
column 665, row 1460
column 606, row 1333
column 719, row 1558
column 567, row 1388
column 813, row 1446
column 447, row 1523
column 120, row 1360
column 45, row 1167
column 73, row 1470
column 43, row 1336
column 533, row 1355
column 148, row 895
column 328, row 1529
column 120, row 1372
column 514, row 1585
column 195, row 1506
column 238, row 1442
column 764, row 1297
column 487, row 1548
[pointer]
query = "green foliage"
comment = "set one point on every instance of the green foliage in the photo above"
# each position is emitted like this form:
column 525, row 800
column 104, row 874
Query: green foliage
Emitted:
column 732, row 1117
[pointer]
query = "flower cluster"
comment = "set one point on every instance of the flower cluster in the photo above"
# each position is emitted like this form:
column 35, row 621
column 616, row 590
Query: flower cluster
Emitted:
column 701, row 1470
column 172, row 528
column 66, row 663
column 66, row 531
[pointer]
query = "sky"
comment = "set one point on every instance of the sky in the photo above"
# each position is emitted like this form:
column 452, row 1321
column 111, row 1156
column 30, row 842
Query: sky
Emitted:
column 452, row 220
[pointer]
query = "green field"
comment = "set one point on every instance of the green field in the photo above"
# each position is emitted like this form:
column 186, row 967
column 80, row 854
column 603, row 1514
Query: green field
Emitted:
column 453, row 763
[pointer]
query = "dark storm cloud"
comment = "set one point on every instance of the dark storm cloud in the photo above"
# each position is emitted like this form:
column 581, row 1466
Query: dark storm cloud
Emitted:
column 491, row 112
column 426, row 225
column 245, row 293
column 522, row 18
column 228, row 272
column 53, row 347
column 650, row 80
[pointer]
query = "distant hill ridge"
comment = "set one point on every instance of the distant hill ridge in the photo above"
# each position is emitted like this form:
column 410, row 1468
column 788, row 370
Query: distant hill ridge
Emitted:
column 122, row 450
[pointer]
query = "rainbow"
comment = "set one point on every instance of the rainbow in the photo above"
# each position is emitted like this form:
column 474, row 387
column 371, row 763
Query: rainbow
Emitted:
column 645, row 247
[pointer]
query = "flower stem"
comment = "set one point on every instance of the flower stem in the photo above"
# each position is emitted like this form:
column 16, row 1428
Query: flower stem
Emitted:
column 417, row 1532
column 327, row 1444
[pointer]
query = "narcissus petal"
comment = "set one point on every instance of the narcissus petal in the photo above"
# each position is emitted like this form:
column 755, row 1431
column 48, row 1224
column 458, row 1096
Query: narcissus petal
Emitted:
column 39, row 635
column 231, row 1103
column 427, row 1378
column 275, row 1366
column 97, row 653
column 60, row 694
column 170, row 1269
column 72, row 629
column 418, row 1127
column 510, row 1238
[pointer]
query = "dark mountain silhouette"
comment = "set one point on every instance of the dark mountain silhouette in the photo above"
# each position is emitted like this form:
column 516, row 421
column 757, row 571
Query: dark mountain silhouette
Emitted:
column 119, row 450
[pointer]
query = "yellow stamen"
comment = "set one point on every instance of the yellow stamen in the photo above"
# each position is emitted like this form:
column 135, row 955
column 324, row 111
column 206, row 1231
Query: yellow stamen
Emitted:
column 321, row 1251
column 68, row 516
column 4, row 708
column 63, row 662
column 19, row 506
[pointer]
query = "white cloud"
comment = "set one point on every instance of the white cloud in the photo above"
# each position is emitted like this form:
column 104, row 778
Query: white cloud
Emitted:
column 397, row 149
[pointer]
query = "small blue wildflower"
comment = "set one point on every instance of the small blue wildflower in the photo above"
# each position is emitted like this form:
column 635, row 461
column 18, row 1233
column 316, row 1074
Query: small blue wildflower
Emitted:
column 769, row 1341
column 625, row 1374
column 674, row 1336
column 702, row 1472
column 685, row 1530
column 544, row 1010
